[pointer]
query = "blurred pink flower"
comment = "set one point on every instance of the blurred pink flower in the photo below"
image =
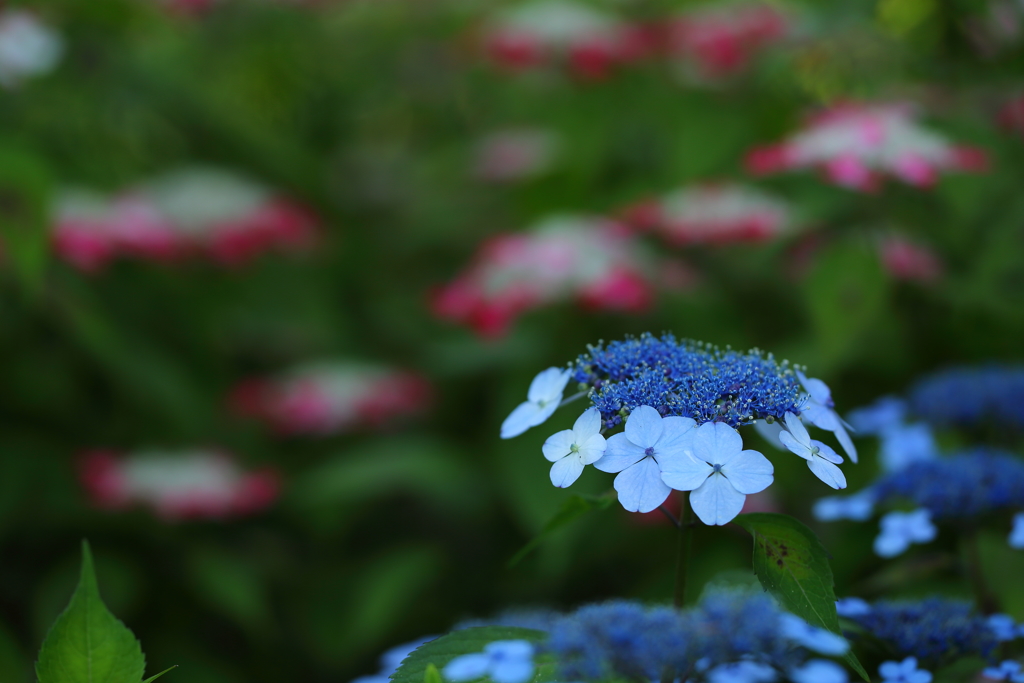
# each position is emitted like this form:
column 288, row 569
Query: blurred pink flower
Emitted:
column 544, row 32
column 330, row 398
column 195, row 484
column 907, row 260
column 228, row 219
column 590, row 259
column 857, row 145
column 716, row 41
column 713, row 214
column 515, row 154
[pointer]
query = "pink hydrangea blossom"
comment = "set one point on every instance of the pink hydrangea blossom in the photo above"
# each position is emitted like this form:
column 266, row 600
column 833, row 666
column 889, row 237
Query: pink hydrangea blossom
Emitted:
column 195, row 484
column 329, row 398
column 545, row 32
column 857, row 145
column 907, row 260
column 716, row 41
column 515, row 154
column 591, row 260
column 713, row 214
column 193, row 212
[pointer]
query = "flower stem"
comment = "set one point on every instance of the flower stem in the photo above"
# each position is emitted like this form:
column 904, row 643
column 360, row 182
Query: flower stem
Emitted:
column 572, row 398
column 683, row 552
column 987, row 602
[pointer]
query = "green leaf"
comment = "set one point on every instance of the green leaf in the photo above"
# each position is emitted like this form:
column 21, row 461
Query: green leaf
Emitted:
column 573, row 508
column 440, row 651
column 792, row 565
column 24, row 212
column 88, row 644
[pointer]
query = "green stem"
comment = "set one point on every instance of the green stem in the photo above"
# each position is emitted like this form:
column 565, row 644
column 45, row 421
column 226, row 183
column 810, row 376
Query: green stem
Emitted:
column 987, row 602
column 683, row 552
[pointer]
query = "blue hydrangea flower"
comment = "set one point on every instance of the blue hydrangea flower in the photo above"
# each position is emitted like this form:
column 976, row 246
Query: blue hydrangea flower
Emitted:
column 966, row 396
column 718, row 471
column 742, row 672
column 1004, row 628
column 638, row 454
column 885, row 413
column 904, row 672
column 852, row 607
column 686, row 378
column 901, row 529
column 819, row 671
column 820, row 410
column 821, row 459
column 1016, row 539
column 503, row 661
column 858, row 507
column 935, row 631
column 1008, row 670
column 903, row 445
column 813, row 638
column 542, row 400
column 391, row 660
column 572, row 449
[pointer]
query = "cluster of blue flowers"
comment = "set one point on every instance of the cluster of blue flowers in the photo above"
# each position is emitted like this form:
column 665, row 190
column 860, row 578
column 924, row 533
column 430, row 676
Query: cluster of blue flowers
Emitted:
column 936, row 631
column 686, row 378
column 962, row 486
column 971, row 395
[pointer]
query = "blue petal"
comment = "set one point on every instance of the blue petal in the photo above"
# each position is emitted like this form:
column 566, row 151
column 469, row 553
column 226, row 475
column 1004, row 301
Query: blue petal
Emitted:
column 467, row 667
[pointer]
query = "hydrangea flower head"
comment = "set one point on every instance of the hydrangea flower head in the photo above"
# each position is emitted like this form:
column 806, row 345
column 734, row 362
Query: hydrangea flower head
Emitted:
column 821, row 459
column 900, row 529
column 27, row 47
column 971, row 395
column 713, row 214
column 542, row 400
column 1008, row 670
column 856, row 145
column 688, row 379
column 934, row 631
column 638, row 455
column 904, row 672
column 572, row 449
column 717, row 471
column 503, row 661
column 188, row 485
column 885, row 413
column 332, row 397
column 591, row 260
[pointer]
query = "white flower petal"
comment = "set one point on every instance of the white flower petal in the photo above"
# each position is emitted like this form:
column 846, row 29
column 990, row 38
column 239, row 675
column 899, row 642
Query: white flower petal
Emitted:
column 818, row 390
column 592, row 449
column 751, row 472
column 844, row 440
column 790, row 442
column 677, row 436
column 684, row 472
column 643, row 427
column 716, row 442
column 797, row 430
column 820, row 416
column 640, row 487
column 716, row 502
column 548, row 385
column 520, row 419
column 558, row 445
column 586, row 425
column 827, row 472
column 825, row 452
column 619, row 453
column 566, row 471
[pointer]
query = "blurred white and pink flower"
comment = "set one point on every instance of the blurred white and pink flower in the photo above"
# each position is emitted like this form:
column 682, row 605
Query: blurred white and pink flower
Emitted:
column 332, row 397
column 711, row 42
column 562, row 32
column 190, row 212
column 713, row 214
column 515, row 154
column 192, row 484
column 857, row 145
column 908, row 260
column 589, row 259
column 28, row 47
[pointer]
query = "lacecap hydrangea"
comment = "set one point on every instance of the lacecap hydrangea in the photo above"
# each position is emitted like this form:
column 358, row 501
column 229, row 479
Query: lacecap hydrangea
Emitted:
column 680, row 403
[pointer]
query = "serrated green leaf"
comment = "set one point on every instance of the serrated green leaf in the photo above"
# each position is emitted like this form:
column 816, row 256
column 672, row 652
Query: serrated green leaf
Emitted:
column 792, row 565
column 440, row 651
column 88, row 644
column 573, row 508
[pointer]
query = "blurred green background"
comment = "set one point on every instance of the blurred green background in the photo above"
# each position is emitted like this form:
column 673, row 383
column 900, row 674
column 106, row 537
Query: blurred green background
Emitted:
column 369, row 113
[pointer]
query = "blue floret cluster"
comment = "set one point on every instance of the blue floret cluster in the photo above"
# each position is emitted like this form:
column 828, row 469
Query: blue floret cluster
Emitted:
column 686, row 378
column 935, row 630
column 961, row 486
column 968, row 396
